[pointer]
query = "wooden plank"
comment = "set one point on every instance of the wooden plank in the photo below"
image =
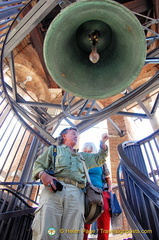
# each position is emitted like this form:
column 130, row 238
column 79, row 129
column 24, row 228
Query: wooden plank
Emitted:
column 28, row 23
column 156, row 12
column 139, row 6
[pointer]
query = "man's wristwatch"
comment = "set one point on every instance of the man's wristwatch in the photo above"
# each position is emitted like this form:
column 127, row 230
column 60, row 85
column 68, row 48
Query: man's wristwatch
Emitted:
column 40, row 173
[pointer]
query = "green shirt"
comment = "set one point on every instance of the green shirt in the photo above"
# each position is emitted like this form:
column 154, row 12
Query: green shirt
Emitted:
column 68, row 164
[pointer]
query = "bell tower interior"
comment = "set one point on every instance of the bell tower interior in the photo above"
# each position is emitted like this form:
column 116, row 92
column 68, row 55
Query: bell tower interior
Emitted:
column 48, row 81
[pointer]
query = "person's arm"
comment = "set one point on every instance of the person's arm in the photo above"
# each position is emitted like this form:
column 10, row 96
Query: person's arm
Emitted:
column 103, row 140
column 97, row 159
column 109, row 183
column 107, row 178
column 41, row 164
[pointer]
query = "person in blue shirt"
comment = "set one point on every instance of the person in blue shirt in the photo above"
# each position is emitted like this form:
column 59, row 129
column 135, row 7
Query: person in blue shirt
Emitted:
column 100, row 178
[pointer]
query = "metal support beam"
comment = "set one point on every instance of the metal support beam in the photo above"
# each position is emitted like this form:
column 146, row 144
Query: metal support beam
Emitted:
column 151, row 85
column 13, row 78
column 155, row 105
column 28, row 23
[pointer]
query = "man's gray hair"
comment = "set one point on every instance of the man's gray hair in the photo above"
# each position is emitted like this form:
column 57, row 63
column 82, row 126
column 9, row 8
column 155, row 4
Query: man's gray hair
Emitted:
column 64, row 131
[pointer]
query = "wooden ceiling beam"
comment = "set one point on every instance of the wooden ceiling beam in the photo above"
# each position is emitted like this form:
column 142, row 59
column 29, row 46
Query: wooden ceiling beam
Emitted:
column 37, row 42
column 156, row 12
column 139, row 6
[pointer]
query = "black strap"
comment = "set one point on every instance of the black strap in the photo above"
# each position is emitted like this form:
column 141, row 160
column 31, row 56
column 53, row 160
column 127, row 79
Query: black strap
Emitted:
column 51, row 171
column 54, row 155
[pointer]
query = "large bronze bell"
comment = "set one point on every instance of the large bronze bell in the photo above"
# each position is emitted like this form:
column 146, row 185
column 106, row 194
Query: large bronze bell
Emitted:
column 95, row 49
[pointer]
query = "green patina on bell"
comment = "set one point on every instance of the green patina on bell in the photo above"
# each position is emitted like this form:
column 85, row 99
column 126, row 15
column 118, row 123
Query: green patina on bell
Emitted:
column 111, row 32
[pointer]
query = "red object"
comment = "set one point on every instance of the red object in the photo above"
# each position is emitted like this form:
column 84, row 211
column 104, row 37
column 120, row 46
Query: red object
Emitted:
column 103, row 222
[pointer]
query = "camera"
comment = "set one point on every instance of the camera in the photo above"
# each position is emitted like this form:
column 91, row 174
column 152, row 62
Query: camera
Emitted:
column 58, row 185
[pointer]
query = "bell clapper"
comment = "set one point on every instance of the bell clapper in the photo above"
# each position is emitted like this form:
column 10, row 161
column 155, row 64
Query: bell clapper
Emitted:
column 94, row 56
column 94, row 38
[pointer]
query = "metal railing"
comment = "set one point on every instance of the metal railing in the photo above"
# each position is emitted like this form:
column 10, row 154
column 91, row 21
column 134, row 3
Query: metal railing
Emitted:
column 18, row 196
column 140, row 198
column 16, row 216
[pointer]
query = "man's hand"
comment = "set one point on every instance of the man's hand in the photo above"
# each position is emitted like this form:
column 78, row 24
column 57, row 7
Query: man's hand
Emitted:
column 103, row 140
column 47, row 180
column 104, row 137
column 109, row 183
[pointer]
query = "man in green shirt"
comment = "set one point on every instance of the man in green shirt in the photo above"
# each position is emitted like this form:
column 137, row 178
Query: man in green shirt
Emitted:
column 60, row 215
